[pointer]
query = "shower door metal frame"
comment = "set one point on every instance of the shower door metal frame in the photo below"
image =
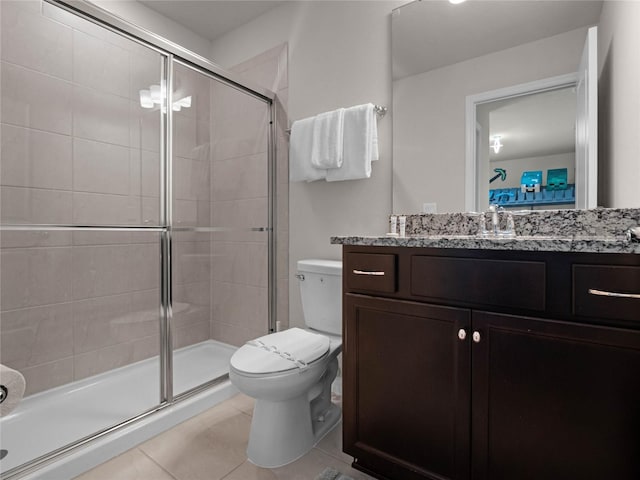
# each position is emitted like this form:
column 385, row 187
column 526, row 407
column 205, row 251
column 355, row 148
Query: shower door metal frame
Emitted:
column 171, row 53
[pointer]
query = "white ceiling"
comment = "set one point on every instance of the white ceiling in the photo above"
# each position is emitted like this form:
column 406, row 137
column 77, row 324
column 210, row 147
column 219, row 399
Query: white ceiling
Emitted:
column 211, row 18
column 431, row 34
column 533, row 125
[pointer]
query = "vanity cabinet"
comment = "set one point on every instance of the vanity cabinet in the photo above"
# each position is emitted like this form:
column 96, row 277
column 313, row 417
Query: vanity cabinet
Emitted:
column 487, row 364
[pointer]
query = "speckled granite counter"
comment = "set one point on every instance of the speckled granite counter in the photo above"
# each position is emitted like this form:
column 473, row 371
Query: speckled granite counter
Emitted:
column 595, row 231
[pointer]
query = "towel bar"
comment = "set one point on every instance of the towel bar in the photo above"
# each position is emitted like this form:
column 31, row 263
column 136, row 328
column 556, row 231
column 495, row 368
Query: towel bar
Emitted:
column 379, row 109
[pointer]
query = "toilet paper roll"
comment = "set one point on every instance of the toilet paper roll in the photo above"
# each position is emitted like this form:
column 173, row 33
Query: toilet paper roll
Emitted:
column 12, row 387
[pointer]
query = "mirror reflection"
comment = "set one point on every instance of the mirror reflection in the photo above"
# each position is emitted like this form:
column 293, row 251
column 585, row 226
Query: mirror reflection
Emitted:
column 442, row 55
column 526, row 145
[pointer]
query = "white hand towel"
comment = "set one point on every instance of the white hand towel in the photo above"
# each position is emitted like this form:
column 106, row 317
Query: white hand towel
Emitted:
column 300, row 144
column 375, row 153
column 358, row 144
column 327, row 140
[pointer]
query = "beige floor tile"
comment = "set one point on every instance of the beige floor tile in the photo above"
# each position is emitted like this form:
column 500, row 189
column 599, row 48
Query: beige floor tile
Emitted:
column 208, row 446
column 306, row 468
column 242, row 402
column 131, row 465
column 331, row 444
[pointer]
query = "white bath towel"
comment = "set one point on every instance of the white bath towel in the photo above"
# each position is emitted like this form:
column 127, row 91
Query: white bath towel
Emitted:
column 300, row 144
column 359, row 134
column 326, row 151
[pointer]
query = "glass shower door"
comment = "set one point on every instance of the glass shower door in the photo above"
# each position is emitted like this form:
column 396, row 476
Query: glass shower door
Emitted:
column 220, row 224
column 80, row 237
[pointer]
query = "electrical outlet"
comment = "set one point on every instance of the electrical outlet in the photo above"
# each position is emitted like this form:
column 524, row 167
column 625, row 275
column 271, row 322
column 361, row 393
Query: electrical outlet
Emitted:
column 429, row 208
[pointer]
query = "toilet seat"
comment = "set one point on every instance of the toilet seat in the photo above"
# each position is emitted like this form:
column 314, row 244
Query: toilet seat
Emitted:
column 278, row 352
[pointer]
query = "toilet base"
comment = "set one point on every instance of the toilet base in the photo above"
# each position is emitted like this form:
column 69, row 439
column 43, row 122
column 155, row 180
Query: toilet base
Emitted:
column 282, row 432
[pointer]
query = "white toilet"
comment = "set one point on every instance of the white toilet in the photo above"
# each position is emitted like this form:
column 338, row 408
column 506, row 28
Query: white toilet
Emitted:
column 289, row 373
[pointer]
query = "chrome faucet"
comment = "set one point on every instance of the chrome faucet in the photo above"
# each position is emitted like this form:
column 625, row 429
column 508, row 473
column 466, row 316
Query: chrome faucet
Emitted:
column 495, row 231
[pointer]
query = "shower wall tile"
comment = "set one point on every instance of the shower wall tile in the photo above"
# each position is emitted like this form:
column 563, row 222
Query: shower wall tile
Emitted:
column 192, row 261
column 150, row 210
column 29, row 205
column 241, row 263
column 252, row 212
column 150, row 173
column 114, row 356
column 100, row 116
column 77, row 147
column 34, row 238
column 35, row 42
column 190, row 179
column 242, row 305
column 105, row 321
column 33, row 158
column 183, row 337
column 191, row 304
column 94, row 238
column 184, row 140
column 144, row 266
column 235, row 335
column 145, row 69
column 34, row 100
column 102, row 209
column 100, row 65
column 282, row 306
column 48, row 375
column 114, row 269
column 144, row 127
column 35, row 276
column 104, row 168
column 33, row 336
column 239, row 178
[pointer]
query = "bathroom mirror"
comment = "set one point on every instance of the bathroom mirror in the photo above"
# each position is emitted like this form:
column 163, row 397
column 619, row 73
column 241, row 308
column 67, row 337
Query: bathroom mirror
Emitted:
column 443, row 54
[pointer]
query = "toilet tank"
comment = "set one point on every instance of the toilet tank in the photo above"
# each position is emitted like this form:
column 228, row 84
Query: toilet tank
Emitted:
column 320, row 284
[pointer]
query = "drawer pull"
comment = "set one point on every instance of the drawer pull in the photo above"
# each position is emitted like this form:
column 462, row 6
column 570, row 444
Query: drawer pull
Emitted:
column 374, row 274
column 602, row 293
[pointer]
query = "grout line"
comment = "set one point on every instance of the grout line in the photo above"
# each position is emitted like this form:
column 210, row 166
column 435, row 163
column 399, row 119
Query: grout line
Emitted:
column 153, row 460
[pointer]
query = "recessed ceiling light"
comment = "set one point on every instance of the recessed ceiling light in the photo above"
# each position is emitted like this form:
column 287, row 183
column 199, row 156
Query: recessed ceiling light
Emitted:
column 455, row 2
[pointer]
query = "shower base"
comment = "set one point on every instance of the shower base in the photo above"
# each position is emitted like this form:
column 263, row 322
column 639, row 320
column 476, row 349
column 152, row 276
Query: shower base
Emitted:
column 49, row 420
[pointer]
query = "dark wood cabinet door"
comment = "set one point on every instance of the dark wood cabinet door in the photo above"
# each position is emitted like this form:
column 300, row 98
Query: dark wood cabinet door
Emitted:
column 406, row 388
column 554, row 400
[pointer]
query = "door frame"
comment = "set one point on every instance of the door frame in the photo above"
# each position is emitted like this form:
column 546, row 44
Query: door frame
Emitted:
column 472, row 101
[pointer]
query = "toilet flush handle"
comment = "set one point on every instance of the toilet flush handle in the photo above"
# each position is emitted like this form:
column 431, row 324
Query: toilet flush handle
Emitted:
column 300, row 276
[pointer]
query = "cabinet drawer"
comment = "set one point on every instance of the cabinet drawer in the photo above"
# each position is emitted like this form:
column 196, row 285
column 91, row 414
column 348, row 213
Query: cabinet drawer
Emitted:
column 371, row 272
column 519, row 284
column 606, row 292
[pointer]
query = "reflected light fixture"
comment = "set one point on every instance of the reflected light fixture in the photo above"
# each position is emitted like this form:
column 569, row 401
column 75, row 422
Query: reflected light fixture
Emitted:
column 157, row 94
column 495, row 143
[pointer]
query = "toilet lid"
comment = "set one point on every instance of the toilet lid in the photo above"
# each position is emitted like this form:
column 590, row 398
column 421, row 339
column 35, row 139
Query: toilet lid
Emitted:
column 280, row 351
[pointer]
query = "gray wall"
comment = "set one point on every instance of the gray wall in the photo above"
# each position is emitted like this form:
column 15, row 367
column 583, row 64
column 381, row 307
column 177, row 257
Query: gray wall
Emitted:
column 619, row 105
column 339, row 55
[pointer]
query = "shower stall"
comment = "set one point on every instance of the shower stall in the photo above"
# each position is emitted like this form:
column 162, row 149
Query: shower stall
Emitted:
column 137, row 214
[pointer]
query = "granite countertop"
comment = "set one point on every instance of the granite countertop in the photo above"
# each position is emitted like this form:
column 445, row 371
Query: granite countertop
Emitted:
column 593, row 231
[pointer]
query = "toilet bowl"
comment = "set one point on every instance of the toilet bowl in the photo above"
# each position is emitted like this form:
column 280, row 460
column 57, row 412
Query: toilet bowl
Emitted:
column 289, row 373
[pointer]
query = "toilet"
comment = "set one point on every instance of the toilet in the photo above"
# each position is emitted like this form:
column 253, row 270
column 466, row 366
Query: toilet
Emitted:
column 289, row 373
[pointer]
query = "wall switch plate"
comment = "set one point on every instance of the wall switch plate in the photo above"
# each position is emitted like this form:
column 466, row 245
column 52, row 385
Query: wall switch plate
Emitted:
column 429, row 208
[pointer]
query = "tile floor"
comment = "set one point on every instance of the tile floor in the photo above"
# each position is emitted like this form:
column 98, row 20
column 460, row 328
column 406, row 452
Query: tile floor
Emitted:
column 212, row 446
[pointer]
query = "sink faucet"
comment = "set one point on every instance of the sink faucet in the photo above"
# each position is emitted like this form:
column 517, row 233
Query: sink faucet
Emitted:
column 495, row 220
column 495, row 231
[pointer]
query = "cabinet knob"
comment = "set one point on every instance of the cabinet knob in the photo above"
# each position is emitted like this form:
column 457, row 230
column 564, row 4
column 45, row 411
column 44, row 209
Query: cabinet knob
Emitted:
column 476, row 336
column 462, row 334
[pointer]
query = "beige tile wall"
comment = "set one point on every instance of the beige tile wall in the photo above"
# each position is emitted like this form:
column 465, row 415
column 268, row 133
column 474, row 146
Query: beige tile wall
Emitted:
column 76, row 148
column 239, row 198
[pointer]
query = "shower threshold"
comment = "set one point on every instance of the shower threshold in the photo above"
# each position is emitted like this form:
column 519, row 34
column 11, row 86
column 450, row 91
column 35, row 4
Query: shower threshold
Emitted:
column 49, row 420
